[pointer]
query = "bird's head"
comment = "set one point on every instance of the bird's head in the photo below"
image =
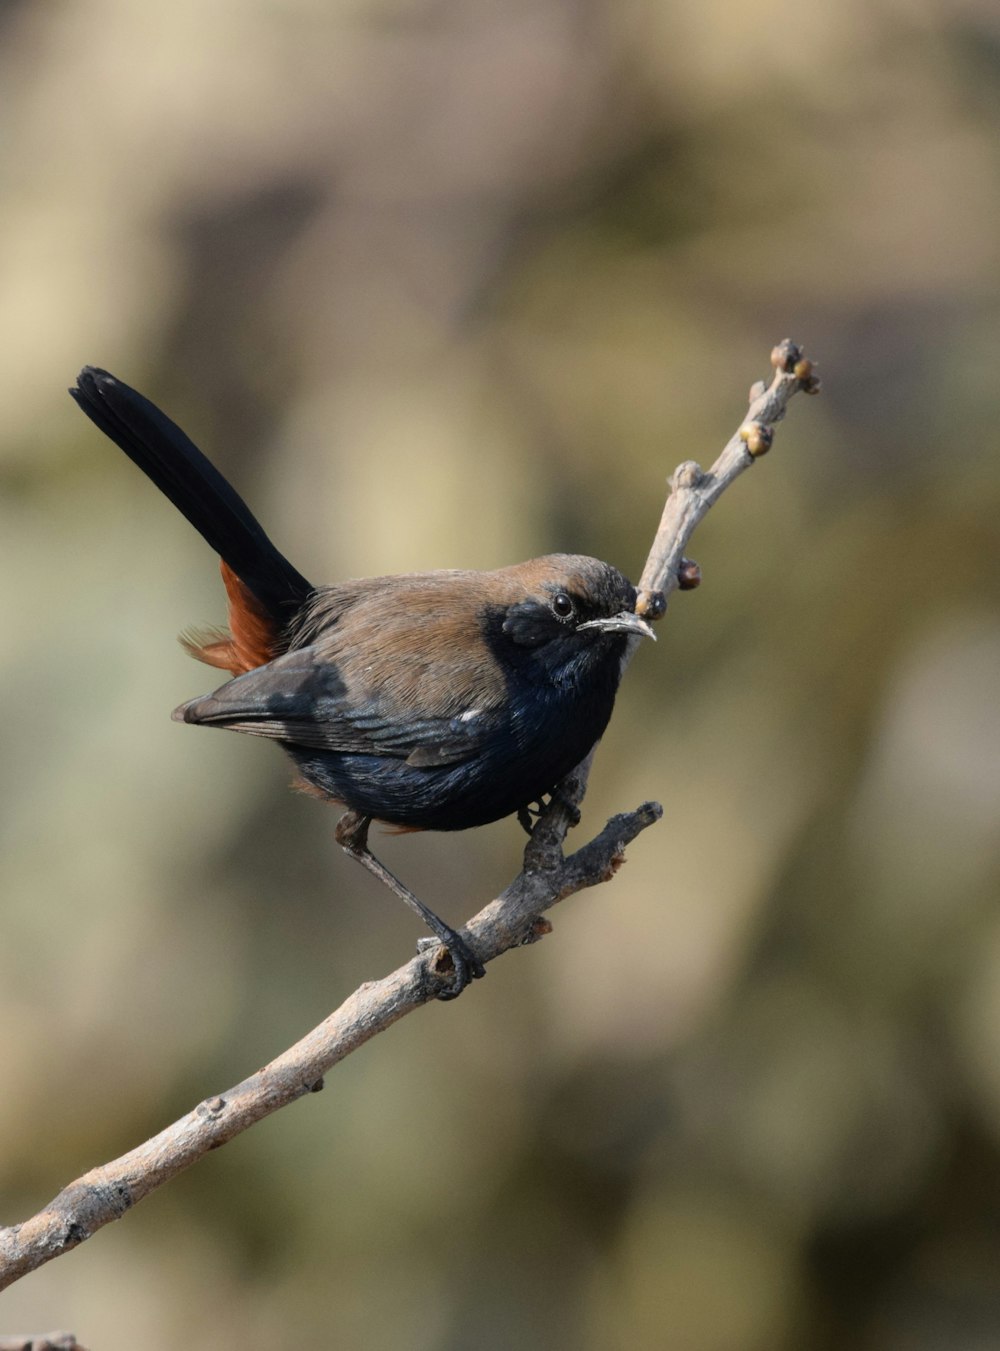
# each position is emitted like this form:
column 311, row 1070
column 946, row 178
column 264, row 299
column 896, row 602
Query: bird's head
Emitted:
column 572, row 614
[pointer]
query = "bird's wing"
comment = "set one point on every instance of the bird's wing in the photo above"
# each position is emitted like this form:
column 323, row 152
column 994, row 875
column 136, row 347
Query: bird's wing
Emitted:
column 304, row 698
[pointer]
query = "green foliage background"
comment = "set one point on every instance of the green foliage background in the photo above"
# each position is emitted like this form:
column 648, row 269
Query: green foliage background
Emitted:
column 457, row 282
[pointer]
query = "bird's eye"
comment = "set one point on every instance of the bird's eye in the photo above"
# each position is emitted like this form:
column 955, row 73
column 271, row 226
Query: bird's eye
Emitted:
column 562, row 605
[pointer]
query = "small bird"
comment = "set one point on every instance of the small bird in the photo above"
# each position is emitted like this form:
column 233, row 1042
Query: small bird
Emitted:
column 427, row 701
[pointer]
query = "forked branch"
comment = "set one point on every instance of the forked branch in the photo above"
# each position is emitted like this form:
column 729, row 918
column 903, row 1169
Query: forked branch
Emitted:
column 511, row 920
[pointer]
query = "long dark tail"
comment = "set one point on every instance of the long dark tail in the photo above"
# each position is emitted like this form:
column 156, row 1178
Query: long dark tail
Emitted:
column 196, row 488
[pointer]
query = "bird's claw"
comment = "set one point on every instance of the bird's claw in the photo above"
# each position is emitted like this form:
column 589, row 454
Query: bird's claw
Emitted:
column 465, row 964
column 528, row 814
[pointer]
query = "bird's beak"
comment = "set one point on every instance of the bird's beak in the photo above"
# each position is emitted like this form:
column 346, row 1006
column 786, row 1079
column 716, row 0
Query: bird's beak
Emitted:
column 626, row 622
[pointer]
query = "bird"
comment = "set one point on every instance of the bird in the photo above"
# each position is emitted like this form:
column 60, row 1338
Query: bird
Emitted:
column 424, row 701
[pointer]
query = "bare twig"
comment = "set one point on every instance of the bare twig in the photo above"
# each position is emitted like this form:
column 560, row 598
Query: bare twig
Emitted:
column 694, row 491
column 512, row 920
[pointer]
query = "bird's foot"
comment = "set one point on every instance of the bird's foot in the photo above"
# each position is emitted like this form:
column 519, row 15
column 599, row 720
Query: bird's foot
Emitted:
column 465, row 964
column 528, row 814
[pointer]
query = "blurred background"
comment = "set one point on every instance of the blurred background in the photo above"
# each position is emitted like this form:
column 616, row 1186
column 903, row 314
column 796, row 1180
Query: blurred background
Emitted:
column 455, row 283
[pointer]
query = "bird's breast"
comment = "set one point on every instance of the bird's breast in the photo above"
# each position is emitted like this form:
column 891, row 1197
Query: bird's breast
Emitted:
column 544, row 732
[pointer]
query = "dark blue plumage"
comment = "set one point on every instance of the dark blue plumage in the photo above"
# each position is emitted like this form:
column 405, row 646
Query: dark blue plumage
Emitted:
column 435, row 701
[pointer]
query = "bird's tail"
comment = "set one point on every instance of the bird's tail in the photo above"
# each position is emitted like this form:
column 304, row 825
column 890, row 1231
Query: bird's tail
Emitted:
column 199, row 491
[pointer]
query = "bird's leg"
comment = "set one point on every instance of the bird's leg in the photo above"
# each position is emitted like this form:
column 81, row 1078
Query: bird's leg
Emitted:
column 352, row 836
column 561, row 796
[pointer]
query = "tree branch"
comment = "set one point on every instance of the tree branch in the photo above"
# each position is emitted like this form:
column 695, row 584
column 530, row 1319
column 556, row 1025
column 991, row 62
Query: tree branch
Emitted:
column 511, row 920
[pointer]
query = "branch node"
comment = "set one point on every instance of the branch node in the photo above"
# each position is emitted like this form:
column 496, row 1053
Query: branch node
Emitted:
column 651, row 605
column 615, row 862
column 687, row 475
column 758, row 438
column 688, row 575
column 114, row 1195
column 538, row 928
column 785, row 356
